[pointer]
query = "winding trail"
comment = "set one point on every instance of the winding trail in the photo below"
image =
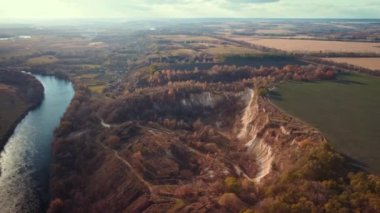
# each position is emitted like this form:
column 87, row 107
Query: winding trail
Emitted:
column 260, row 149
column 151, row 187
column 125, row 162
column 105, row 125
column 133, row 170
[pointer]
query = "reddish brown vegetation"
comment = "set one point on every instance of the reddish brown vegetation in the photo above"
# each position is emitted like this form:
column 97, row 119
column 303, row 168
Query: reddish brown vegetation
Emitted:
column 229, row 74
column 172, row 145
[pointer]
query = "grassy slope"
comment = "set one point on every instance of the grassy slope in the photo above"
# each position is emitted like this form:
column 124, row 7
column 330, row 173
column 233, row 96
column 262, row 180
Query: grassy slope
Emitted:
column 346, row 111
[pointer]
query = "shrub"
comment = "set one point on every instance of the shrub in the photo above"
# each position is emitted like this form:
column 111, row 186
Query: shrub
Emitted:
column 322, row 163
column 232, row 184
column 113, row 140
column 55, row 206
column 261, row 91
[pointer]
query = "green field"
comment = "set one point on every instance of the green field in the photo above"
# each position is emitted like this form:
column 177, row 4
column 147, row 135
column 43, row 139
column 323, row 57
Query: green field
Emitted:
column 347, row 111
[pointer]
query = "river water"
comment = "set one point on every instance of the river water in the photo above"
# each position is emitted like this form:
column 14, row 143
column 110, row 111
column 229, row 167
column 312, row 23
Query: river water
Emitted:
column 25, row 160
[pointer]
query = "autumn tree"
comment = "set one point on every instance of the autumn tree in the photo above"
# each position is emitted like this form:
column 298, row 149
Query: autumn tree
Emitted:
column 55, row 206
column 113, row 140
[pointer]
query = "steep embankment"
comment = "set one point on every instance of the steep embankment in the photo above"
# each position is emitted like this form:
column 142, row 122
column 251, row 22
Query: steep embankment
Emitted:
column 272, row 137
column 19, row 93
column 253, row 122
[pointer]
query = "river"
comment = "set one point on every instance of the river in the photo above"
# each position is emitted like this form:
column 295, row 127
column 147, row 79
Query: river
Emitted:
column 25, row 160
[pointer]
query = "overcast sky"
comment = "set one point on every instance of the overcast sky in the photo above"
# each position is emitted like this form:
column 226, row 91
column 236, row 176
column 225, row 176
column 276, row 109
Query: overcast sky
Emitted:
column 147, row 9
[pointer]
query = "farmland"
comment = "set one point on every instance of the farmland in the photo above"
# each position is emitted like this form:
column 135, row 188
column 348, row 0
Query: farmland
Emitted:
column 369, row 63
column 301, row 45
column 274, row 31
column 15, row 48
column 191, row 46
column 346, row 111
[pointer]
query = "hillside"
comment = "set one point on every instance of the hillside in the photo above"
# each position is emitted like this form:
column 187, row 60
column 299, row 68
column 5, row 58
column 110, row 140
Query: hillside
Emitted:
column 200, row 141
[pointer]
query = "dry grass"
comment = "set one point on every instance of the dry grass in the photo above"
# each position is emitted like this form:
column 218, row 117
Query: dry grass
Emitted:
column 97, row 88
column 47, row 59
column 87, row 76
column 87, row 79
column 298, row 45
column 369, row 63
column 177, row 52
column 23, row 47
column 90, row 66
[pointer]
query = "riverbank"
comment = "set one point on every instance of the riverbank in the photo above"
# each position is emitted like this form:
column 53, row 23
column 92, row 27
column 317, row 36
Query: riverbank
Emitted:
column 19, row 94
column 25, row 161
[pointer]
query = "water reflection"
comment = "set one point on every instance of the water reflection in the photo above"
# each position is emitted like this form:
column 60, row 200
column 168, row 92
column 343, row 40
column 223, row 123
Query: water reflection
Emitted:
column 24, row 163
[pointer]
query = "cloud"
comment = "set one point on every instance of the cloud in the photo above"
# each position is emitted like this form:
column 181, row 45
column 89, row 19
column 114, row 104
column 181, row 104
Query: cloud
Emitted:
column 151, row 9
column 164, row 8
column 199, row 1
column 194, row 8
column 256, row 1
